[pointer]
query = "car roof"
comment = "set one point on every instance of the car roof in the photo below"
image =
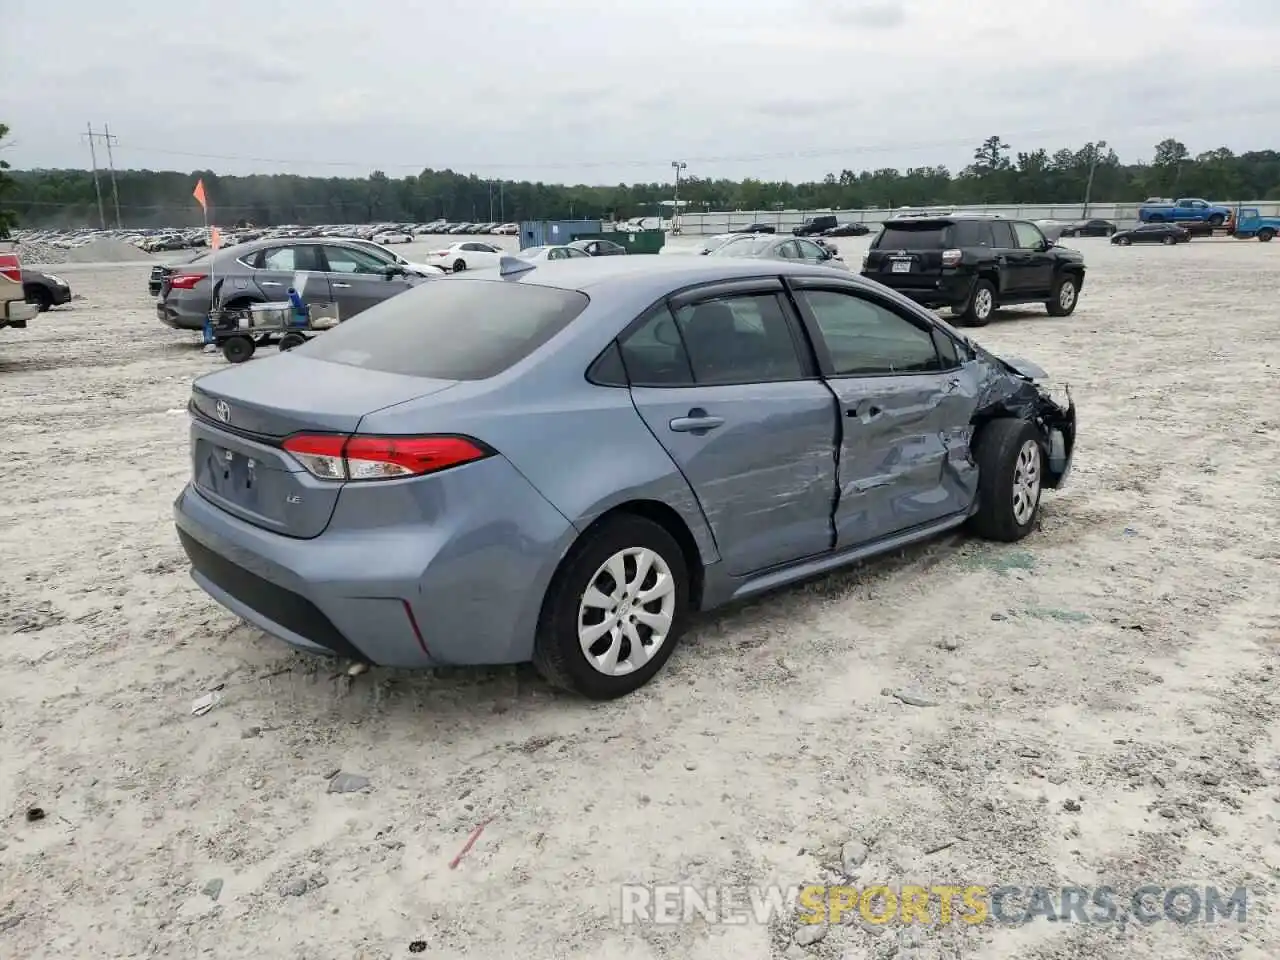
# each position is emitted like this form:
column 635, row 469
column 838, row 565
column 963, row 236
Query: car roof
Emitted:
column 655, row 276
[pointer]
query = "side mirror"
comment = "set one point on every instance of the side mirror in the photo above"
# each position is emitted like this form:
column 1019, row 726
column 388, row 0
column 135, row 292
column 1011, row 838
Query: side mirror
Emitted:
column 392, row 270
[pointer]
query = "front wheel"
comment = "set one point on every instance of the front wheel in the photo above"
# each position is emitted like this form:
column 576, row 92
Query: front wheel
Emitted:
column 1216, row 220
column 1066, row 293
column 1124, row 242
column 1010, row 462
column 1169, row 241
column 291, row 340
column 614, row 609
column 40, row 298
column 982, row 303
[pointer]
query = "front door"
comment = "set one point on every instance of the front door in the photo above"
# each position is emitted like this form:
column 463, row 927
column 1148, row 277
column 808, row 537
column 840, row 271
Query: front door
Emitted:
column 1035, row 264
column 358, row 279
column 296, row 266
column 811, row 252
column 722, row 382
column 906, row 406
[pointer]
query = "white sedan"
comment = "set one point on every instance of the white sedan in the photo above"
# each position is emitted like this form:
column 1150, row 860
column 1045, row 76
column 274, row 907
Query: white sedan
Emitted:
column 392, row 237
column 466, row 255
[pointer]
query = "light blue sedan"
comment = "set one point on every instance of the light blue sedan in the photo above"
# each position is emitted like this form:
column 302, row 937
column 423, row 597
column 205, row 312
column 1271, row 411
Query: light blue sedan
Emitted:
column 563, row 462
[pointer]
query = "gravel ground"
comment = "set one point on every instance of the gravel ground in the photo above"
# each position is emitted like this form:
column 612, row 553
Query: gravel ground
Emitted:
column 1102, row 697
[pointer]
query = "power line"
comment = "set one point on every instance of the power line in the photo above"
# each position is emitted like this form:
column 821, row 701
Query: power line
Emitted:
column 896, row 146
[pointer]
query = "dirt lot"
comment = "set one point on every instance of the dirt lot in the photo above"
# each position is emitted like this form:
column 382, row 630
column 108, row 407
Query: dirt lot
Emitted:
column 1104, row 695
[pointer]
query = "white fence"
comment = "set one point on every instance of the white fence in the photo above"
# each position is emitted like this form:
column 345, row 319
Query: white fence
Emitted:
column 1122, row 214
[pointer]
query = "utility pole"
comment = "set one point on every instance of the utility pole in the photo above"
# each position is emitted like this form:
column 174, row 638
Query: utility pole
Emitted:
column 97, row 186
column 676, row 165
column 1093, row 165
column 111, row 165
column 491, row 201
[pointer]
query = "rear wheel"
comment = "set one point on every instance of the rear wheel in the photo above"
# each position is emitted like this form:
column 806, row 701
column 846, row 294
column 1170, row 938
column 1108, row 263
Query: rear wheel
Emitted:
column 238, row 349
column 1169, row 241
column 1066, row 293
column 459, row 265
column 291, row 340
column 1010, row 469
column 614, row 609
column 1217, row 220
column 1266, row 234
column 982, row 303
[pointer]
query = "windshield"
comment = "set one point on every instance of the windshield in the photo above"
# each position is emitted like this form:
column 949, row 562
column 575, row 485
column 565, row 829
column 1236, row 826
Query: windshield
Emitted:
column 452, row 330
column 744, row 247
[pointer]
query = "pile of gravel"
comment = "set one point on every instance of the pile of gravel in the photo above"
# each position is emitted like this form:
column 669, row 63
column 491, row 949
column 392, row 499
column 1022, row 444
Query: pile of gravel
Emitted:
column 101, row 250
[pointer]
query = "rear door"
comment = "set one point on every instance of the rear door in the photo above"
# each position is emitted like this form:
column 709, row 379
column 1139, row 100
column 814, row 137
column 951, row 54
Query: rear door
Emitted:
column 297, row 265
column 906, row 406
column 722, row 379
column 358, row 280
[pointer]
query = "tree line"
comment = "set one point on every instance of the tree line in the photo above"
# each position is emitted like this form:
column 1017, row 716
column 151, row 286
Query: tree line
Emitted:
column 998, row 174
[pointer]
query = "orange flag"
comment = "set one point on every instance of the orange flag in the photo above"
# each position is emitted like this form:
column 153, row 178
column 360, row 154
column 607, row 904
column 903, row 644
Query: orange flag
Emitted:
column 215, row 238
column 198, row 193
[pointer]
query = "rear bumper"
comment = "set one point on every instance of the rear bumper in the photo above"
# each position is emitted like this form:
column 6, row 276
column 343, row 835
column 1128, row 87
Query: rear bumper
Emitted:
column 941, row 291
column 181, row 315
column 464, row 587
column 17, row 313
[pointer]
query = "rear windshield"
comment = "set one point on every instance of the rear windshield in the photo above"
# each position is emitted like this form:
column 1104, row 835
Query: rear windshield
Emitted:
column 451, row 329
column 924, row 236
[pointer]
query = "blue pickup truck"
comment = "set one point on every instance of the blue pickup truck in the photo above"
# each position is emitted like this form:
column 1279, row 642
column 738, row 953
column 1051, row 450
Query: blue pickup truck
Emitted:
column 1251, row 223
column 1184, row 210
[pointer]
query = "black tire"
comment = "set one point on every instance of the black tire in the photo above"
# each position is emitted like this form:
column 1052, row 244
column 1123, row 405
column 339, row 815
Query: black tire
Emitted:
column 1066, row 294
column 291, row 340
column 557, row 653
column 238, row 349
column 1169, row 241
column 40, row 297
column 1217, row 220
column 981, row 305
column 1124, row 242
column 997, row 449
column 1265, row 235
column 459, row 265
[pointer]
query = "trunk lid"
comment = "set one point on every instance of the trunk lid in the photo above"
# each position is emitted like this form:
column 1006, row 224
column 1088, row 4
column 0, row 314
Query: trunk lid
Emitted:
column 240, row 416
column 908, row 249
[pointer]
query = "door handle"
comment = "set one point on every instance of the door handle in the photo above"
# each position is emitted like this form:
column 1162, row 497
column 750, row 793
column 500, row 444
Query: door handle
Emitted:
column 952, row 384
column 341, row 286
column 271, row 283
column 869, row 412
column 698, row 421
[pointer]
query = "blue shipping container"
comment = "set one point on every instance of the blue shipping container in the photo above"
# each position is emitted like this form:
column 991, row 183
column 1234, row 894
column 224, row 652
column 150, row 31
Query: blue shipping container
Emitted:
column 540, row 233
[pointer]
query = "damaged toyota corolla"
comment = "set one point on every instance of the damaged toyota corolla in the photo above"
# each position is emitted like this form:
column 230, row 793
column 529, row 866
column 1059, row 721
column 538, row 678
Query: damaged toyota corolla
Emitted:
column 563, row 462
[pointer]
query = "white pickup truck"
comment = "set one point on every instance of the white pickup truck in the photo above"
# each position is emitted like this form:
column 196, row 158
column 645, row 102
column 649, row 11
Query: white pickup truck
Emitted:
column 14, row 309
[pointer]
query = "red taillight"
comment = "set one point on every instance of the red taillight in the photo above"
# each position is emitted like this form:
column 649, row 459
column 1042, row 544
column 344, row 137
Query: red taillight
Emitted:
column 951, row 258
column 441, row 253
column 185, row 281
column 332, row 457
column 11, row 267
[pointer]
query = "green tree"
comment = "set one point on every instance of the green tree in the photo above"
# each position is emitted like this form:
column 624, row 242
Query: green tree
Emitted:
column 7, row 188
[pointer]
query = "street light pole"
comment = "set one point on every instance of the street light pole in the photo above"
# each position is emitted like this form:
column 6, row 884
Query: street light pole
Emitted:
column 1093, row 165
column 676, row 165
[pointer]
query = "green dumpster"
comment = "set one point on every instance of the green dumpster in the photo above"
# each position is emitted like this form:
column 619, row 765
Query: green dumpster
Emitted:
column 642, row 241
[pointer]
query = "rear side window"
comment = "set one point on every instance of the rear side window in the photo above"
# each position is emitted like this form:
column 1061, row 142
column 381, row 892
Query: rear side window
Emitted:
column 971, row 233
column 906, row 237
column 451, row 329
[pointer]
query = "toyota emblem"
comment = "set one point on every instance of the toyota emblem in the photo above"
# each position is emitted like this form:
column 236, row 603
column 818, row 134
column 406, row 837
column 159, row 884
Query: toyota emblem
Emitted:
column 223, row 410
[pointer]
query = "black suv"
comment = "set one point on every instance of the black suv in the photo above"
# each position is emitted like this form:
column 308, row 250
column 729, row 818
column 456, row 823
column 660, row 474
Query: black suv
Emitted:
column 815, row 225
column 974, row 265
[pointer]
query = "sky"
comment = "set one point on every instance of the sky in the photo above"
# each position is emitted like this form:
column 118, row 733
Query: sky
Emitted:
column 584, row 91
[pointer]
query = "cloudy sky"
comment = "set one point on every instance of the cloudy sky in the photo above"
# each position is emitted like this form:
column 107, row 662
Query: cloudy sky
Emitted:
column 601, row 92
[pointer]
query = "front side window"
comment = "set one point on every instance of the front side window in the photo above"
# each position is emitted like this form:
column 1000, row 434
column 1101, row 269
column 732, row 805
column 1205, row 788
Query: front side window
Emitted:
column 864, row 338
column 1029, row 238
column 348, row 260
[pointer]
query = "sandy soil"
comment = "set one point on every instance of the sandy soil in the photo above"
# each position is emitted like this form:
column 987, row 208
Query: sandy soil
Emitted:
column 1104, row 693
